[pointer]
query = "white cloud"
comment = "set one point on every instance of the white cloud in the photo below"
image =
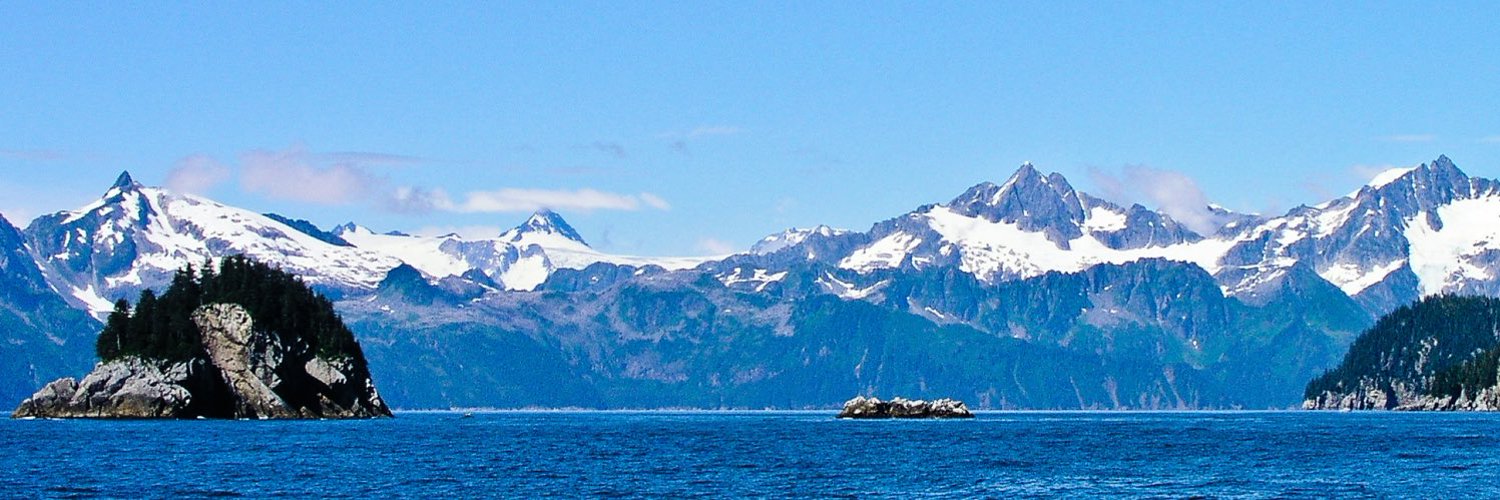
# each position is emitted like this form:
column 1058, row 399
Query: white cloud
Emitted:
column 197, row 174
column 1409, row 138
column 528, row 200
column 714, row 246
column 417, row 200
column 293, row 174
column 1171, row 192
column 341, row 179
column 655, row 201
column 1494, row 139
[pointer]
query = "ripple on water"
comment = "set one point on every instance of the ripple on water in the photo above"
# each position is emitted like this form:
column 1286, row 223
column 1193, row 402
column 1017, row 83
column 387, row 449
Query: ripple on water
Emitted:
column 648, row 454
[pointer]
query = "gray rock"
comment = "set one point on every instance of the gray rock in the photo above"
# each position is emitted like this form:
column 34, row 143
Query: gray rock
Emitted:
column 123, row 388
column 862, row 407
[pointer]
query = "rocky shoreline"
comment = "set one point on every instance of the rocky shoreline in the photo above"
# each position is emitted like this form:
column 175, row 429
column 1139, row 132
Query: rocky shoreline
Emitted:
column 1369, row 395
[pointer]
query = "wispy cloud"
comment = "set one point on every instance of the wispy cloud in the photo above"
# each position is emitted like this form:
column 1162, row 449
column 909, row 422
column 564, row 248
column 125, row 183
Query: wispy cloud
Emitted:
column 1171, row 192
column 1409, row 138
column 294, row 175
column 1494, row 139
column 197, row 174
column 655, row 201
column 415, row 200
column 297, row 174
column 715, row 246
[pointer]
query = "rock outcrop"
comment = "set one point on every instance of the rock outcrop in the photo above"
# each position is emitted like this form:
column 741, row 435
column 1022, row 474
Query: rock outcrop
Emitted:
column 1401, row 397
column 862, row 407
column 243, row 373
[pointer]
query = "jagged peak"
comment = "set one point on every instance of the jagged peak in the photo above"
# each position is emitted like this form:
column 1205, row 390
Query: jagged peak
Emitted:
column 1440, row 174
column 124, row 181
column 544, row 221
column 350, row 228
column 1026, row 181
column 1025, row 175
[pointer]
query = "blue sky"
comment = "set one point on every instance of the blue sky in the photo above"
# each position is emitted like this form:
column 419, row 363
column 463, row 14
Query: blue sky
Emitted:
column 671, row 129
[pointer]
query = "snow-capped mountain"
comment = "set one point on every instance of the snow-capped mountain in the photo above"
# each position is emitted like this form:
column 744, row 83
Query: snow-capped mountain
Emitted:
column 565, row 249
column 792, row 237
column 450, row 255
column 136, row 237
column 520, row 258
column 1027, row 226
column 1410, row 232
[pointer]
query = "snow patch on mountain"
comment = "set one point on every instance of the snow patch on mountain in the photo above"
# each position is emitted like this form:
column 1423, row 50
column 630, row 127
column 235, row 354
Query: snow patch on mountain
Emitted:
column 1104, row 220
column 849, row 290
column 1442, row 257
column 1353, row 278
column 887, row 252
column 992, row 250
column 1388, row 176
column 758, row 279
column 792, row 237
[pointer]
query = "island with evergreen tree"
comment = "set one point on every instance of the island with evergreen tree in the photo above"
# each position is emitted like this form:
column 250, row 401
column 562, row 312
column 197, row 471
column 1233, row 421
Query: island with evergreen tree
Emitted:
column 245, row 340
column 1441, row 353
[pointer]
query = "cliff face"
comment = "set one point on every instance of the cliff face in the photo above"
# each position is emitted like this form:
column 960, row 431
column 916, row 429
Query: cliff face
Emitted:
column 244, row 373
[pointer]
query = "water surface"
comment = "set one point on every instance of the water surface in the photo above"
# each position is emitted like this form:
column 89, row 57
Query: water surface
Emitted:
column 780, row 454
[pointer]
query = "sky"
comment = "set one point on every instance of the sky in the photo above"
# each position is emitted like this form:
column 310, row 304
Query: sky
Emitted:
column 692, row 128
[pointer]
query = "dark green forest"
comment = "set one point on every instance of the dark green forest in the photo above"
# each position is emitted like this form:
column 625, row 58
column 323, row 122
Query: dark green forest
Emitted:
column 161, row 326
column 1462, row 355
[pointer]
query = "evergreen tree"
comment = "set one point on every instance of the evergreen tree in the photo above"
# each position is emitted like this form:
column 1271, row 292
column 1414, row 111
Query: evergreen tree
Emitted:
column 108, row 345
column 162, row 327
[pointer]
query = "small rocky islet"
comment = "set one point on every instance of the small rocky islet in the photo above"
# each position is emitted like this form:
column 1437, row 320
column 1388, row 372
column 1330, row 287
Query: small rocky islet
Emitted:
column 246, row 341
column 873, row 408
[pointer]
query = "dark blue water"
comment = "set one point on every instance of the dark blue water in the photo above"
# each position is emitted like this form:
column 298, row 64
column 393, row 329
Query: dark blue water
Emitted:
column 778, row 454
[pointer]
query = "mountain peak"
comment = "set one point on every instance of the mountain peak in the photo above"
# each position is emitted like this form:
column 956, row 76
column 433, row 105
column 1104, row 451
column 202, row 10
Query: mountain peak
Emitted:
column 124, row 181
column 545, row 221
column 1026, row 174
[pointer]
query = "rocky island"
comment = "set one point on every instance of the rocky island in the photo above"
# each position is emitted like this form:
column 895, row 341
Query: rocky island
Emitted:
column 245, row 341
column 862, row 407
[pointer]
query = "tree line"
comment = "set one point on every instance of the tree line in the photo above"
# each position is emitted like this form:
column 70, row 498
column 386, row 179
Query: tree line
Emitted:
column 161, row 326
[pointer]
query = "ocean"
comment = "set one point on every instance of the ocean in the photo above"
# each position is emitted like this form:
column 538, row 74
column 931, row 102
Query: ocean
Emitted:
column 780, row 454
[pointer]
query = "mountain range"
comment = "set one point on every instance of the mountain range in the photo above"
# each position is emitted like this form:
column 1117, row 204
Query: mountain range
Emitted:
column 1023, row 294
